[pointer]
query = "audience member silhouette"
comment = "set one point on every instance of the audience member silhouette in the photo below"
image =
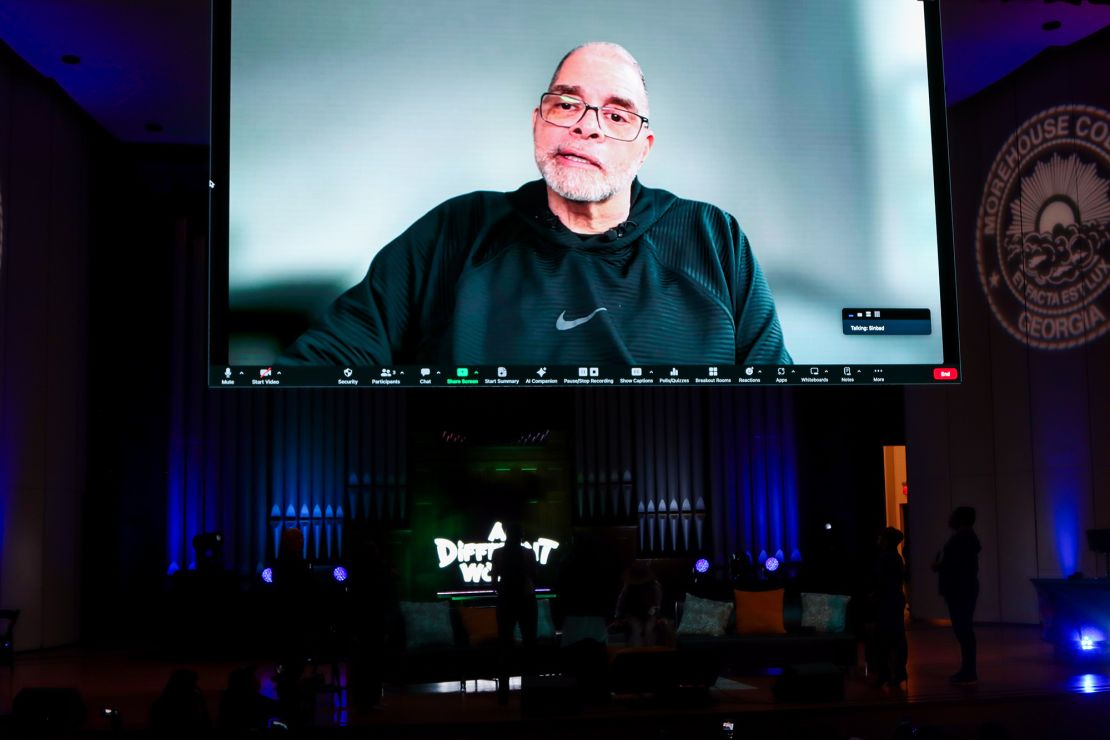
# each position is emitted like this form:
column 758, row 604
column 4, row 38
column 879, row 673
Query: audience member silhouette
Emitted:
column 242, row 707
column 958, row 568
column 887, row 652
column 181, row 710
column 638, row 606
column 514, row 576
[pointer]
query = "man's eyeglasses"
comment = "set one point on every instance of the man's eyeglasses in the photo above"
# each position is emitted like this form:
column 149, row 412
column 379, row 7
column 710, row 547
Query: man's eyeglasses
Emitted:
column 566, row 111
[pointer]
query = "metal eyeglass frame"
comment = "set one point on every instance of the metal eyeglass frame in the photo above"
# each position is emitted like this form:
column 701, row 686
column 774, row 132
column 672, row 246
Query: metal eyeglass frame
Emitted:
column 597, row 114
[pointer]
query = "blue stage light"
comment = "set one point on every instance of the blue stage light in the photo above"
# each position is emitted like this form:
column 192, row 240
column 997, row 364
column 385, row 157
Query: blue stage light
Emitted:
column 1089, row 640
column 1086, row 643
column 268, row 575
column 771, row 564
column 339, row 574
column 702, row 566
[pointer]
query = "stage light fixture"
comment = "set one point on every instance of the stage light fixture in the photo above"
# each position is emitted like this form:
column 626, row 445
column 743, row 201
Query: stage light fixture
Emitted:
column 339, row 574
column 771, row 564
column 268, row 575
column 1089, row 641
column 702, row 566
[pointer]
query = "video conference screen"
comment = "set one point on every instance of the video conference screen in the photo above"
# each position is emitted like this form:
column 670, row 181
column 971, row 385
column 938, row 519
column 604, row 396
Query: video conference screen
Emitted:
column 436, row 194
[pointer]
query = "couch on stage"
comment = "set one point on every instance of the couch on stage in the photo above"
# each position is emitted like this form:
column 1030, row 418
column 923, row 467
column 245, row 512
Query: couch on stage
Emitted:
column 756, row 630
column 456, row 641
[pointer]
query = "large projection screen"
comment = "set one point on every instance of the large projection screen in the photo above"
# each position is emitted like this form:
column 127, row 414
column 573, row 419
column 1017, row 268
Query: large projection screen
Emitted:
column 809, row 121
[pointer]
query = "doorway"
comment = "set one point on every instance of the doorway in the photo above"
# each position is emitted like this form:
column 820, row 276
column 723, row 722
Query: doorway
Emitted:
column 898, row 499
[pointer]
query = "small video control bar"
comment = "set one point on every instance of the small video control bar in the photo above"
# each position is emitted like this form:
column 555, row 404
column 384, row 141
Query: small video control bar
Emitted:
column 533, row 376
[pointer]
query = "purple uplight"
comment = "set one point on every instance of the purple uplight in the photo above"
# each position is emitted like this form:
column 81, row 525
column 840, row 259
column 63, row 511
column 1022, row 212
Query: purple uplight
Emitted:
column 702, row 566
column 268, row 575
column 771, row 564
column 339, row 574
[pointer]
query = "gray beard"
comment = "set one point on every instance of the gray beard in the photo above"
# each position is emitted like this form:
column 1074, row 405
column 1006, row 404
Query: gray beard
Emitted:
column 582, row 186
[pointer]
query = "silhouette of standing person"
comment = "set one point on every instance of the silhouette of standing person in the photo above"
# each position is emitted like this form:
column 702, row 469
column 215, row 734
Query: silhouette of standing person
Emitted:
column 295, row 602
column 958, row 568
column 514, row 576
column 372, row 603
column 890, row 652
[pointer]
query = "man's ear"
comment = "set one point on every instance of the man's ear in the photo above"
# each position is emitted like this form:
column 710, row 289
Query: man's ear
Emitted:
column 650, row 141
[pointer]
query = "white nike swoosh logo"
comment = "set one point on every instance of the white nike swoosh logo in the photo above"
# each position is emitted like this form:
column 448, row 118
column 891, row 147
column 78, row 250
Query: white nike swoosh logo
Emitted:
column 562, row 324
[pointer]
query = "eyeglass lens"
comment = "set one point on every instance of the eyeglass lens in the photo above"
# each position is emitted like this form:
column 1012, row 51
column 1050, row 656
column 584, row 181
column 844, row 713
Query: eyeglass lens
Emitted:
column 566, row 111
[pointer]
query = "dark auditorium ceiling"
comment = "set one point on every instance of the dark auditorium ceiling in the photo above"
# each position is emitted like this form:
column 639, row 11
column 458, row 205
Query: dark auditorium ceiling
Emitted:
column 143, row 71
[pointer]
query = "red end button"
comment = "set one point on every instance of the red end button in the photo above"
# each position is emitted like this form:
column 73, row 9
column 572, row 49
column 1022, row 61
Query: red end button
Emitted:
column 945, row 373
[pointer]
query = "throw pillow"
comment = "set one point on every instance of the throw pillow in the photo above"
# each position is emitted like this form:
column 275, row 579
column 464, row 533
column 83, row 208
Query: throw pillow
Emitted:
column 545, row 626
column 480, row 623
column 759, row 612
column 427, row 624
column 825, row 612
column 577, row 629
column 704, row 617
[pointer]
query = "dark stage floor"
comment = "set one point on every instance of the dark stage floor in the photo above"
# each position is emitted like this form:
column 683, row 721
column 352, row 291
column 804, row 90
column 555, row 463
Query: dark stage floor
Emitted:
column 1024, row 689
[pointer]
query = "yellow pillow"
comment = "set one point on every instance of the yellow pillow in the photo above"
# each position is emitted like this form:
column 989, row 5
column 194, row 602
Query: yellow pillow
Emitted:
column 480, row 623
column 759, row 612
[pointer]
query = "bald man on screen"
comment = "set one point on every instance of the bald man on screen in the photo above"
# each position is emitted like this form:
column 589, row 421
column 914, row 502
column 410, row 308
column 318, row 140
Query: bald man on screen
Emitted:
column 586, row 265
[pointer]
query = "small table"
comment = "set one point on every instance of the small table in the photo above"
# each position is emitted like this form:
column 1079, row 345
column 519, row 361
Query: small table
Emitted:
column 1075, row 612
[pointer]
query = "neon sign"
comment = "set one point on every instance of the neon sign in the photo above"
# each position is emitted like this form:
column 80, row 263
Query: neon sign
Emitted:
column 475, row 559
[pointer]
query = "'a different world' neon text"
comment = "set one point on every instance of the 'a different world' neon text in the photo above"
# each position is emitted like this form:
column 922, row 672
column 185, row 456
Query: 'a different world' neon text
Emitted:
column 475, row 559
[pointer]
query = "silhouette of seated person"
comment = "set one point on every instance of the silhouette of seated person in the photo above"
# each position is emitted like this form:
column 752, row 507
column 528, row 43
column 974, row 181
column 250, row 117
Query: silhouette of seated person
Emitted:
column 514, row 577
column 242, row 707
column 181, row 710
column 638, row 617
